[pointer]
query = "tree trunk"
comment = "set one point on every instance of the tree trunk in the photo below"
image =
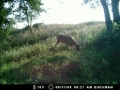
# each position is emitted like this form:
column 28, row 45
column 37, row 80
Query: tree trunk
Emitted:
column 115, row 10
column 30, row 20
column 108, row 20
column 27, row 18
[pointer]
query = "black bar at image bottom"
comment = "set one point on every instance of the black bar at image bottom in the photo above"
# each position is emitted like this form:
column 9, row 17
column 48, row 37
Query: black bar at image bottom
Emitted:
column 59, row 87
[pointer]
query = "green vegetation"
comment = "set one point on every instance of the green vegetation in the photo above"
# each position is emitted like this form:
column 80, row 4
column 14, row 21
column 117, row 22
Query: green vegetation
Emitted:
column 27, row 56
column 12, row 11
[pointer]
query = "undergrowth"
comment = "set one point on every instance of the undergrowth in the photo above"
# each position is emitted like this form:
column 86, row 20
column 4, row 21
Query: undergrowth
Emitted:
column 27, row 56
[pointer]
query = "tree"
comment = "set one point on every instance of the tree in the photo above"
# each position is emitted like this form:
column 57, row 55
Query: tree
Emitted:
column 23, row 10
column 27, row 11
column 105, row 4
column 115, row 10
column 108, row 20
column 5, row 21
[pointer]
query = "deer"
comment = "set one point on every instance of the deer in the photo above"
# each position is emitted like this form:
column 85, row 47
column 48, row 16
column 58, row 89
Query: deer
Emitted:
column 66, row 40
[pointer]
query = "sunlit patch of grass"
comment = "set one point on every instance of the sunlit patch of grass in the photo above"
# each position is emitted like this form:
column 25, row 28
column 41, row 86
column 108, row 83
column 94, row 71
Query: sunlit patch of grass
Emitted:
column 23, row 52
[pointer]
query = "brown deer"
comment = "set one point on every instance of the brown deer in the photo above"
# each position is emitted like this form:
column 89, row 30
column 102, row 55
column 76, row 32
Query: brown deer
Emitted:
column 66, row 40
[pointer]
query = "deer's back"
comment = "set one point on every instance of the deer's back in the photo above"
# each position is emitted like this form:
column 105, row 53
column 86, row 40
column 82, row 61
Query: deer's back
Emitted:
column 65, row 39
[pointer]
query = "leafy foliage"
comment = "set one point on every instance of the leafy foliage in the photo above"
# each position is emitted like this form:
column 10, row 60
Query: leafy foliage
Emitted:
column 28, row 9
column 116, row 29
column 92, row 3
column 108, row 45
column 27, row 56
column 23, row 10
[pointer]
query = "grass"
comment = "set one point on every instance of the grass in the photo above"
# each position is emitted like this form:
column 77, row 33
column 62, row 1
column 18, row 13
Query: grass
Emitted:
column 27, row 56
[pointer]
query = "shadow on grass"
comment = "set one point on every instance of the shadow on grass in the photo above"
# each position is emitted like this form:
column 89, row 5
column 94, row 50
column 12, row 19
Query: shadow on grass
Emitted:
column 59, row 74
column 108, row 46
column 30, row 73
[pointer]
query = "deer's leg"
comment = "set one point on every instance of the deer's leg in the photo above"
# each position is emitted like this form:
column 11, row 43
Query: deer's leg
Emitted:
column 60, row 45
column 67, row 47
column 56, row 44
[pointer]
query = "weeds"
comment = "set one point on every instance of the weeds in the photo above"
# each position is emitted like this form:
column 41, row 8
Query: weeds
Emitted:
column 28, row 56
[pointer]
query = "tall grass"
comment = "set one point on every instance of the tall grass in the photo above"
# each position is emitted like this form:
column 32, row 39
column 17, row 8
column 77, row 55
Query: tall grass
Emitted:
column 27, row 56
